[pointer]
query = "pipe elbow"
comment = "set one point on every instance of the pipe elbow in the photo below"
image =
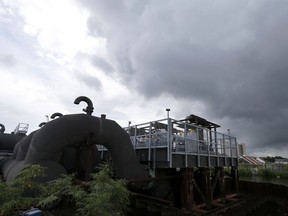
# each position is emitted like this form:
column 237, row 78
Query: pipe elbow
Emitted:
column 42, row 124
column 89, row 109
column 57, row 114
column 2, row 128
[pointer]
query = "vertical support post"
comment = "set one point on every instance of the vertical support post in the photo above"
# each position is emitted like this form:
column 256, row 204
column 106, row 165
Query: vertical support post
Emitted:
column 169, row 140
column 169, row 145
column 185, row 143
column 236, row 149
column 198, row 146
column 230, row 148
column 206, row 186
column 208, row 145
column 135, row 137
column 149, row 142
column 216, row 146
column 187, row 189
column 155, row 145
column 89, row 163
column 222, row 184
column 235, row 179
column 224, row 149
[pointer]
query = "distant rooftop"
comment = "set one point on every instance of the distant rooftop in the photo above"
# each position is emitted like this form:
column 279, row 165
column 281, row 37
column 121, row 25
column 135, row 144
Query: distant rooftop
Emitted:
column 249, row 160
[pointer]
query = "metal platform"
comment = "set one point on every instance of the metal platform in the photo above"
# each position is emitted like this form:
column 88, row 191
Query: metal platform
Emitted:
column 22, row 128
column 170, row 143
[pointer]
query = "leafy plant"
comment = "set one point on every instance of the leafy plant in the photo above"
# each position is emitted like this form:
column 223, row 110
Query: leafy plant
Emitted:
column 106, row 197
column 101, row 196
column 20, row 194
column 57, row 190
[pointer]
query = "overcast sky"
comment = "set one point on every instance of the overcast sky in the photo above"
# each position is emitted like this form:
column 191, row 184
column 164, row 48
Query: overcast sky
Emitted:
column 225, row 60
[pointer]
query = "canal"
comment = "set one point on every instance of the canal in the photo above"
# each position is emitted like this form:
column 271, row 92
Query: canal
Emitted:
column 277, row 181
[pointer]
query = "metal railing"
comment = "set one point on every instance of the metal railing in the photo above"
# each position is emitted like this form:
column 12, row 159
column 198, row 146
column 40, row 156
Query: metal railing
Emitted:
column 181, row 137
column 174, row 137
column 22, row 128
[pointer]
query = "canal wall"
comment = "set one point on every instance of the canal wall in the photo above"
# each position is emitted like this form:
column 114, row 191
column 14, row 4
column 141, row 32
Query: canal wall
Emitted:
column 264, row 189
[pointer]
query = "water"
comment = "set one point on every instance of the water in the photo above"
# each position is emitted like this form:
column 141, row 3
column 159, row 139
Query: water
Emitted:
column 277, row 181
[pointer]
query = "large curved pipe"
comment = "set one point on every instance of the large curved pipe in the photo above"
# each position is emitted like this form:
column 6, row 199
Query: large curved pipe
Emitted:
column 2, row 128
column 8, row 141
column 71, row 130
column 49, row 142
column 57, row 114
column 89, row 109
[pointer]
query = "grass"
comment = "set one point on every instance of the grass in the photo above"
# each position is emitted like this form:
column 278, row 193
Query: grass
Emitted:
column 266, row 172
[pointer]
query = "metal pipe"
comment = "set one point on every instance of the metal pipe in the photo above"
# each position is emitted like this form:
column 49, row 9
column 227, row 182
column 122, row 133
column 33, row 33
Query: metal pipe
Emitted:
column 89, row 109
column 57, row 114
column 70, row 130
column 2, row 128
column 48, row 144
column 42, row 124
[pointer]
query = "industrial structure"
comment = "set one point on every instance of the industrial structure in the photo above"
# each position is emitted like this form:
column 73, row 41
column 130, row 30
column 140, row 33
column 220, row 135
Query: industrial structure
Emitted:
column 167, row 162
column 192, row 154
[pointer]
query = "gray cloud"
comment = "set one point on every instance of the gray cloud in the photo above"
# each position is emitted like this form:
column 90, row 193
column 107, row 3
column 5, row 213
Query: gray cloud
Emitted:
column 7, row 60
column 89, row 81
column 230, row 55
column 102, row 64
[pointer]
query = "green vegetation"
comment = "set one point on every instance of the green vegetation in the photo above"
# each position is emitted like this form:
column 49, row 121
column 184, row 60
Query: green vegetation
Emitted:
column 101, row 196
column 267, row 171
column 269, row 159
column 12, row 196
column 245, row 171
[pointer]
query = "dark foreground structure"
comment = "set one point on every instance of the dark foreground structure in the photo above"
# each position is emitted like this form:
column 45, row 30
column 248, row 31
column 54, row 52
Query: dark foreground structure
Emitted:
column 174, row 164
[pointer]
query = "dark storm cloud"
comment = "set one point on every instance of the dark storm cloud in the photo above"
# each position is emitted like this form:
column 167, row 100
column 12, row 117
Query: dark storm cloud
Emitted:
column 230, row 55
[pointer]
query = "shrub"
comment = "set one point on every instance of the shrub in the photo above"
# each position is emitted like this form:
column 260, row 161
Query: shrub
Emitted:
column 20, row 193
column 106, row 197
column 101, row 196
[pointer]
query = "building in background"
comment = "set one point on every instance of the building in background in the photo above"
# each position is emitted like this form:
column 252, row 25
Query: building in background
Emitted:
column 281, row 161
column 251, row 162
column 241, row 149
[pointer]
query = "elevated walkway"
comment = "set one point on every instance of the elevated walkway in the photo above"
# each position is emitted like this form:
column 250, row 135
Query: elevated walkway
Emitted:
column 170, row 143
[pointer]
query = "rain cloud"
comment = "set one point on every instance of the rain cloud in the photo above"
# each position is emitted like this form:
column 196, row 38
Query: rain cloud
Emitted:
column 230, row 55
